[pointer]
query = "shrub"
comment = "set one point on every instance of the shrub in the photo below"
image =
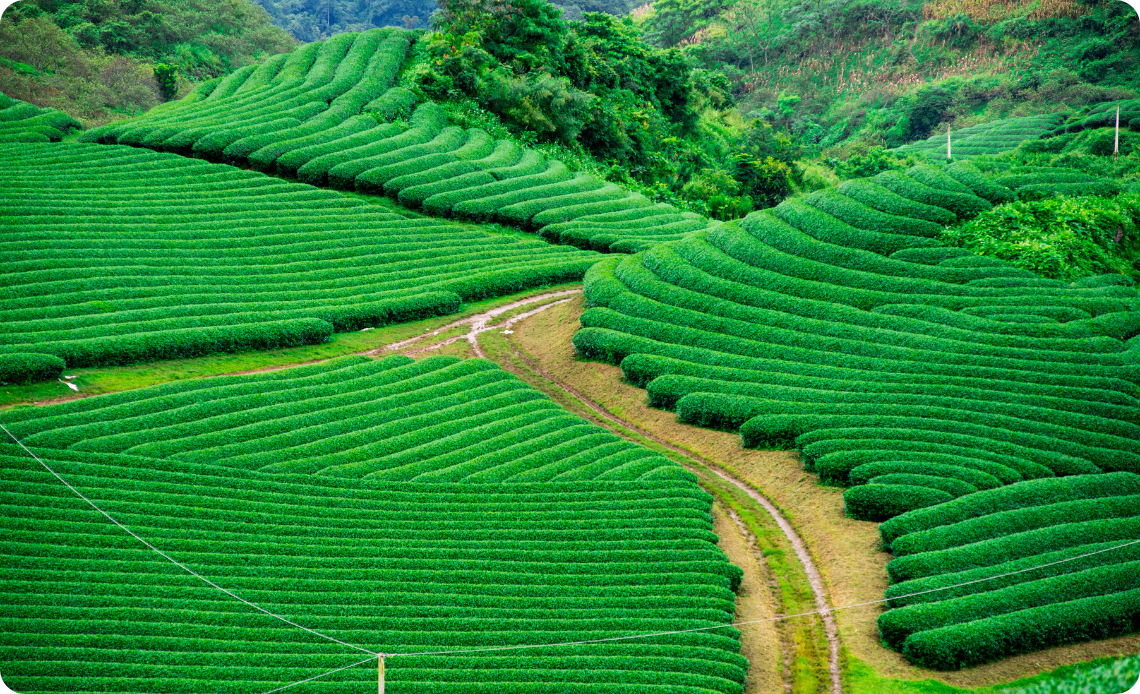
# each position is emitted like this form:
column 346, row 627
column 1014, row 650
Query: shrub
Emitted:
column 24, row 367
column 878, row 502
column 1027, row 494
column 984, row 640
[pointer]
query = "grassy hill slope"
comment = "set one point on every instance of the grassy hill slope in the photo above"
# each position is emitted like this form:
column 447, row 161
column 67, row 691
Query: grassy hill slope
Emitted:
column 499, row 540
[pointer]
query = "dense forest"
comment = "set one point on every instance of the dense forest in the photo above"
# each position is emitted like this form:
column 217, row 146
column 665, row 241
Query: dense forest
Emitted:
column 312, row 20
column 720, row 107
column 99, row 60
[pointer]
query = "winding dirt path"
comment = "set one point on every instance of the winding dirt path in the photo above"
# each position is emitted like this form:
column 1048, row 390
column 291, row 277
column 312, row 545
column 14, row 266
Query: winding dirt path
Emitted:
column 819, row 592
column 479, row 323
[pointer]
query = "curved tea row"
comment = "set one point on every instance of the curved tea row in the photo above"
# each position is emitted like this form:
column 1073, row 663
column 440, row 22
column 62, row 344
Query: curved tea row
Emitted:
column 992, row 137
column 114, row 255
column 24, row 122
column 923, row 377
column 321, row 115
column 329, row 494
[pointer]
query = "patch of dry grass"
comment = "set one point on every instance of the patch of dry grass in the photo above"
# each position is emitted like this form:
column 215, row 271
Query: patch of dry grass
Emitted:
column 846, row 551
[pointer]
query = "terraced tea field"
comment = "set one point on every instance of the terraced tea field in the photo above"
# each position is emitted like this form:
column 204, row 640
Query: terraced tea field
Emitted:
column 918, row 374
column 116, row 255
column 992, row 137
column 24, row 122
column 986, row 417
column 1102, row 115
column 328, row 493
column 327, row 115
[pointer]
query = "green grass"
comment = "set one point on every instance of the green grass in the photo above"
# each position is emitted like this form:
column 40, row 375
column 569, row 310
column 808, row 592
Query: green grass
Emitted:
column 111, row 379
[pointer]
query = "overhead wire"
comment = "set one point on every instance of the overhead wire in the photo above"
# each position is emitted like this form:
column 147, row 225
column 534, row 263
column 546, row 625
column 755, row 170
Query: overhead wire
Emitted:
column 373, row 655
column 174, row 561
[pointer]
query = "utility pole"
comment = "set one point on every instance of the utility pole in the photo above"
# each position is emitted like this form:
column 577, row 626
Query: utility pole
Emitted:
column 380, row 675
column 948, row 142
column 1116, row 141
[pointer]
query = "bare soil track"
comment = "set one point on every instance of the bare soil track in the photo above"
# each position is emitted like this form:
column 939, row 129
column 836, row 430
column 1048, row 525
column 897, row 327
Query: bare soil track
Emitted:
column 799, row 547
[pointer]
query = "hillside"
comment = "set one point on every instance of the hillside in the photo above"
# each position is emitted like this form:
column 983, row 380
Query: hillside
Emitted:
column 485, row 537
column 886, row 72
column 432, row 368
column 100, row 62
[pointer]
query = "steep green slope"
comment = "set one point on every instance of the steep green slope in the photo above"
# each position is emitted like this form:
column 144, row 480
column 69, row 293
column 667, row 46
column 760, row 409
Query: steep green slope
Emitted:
column 100, row 62
column 115, row 255
column 307, row 115
column 514, row 545
column 924, row 377
column 24, row 122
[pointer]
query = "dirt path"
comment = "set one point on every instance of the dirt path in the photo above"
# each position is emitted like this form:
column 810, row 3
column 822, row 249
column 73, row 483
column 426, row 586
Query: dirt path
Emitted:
column 478, row 323
column 799, row 547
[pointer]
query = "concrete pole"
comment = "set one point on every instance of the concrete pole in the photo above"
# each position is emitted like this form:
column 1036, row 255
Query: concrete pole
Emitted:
column 1116, row 142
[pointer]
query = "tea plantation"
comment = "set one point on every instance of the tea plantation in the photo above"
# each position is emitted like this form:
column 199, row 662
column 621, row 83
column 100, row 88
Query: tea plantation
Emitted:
column 327, row 114
column 115, row 255
column 329, row 494
column 24, row 122
column 1003, row 532
column 988, row 418
column 992, row 137
column 932, row 381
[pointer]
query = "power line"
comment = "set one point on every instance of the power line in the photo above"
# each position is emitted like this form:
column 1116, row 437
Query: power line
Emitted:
column 174, row 561
column 489, row 649
column 718, row 626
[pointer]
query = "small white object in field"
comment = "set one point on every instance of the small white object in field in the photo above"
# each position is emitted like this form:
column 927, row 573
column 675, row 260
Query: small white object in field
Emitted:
column 73, row 387
column 364, row 330
column 68, row 378
column 508, row 332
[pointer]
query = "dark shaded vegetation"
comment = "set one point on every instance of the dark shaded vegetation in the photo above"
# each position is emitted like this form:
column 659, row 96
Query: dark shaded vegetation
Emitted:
column 99, row 61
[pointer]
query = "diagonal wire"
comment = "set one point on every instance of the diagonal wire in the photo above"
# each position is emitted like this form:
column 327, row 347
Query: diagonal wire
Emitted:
column 375, row 655
column 177, row 563
column 718, row 626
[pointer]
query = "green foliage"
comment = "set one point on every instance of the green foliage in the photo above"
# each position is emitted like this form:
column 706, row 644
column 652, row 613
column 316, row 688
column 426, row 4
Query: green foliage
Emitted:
column 867, row 162
column 388, row 483
column 27, row 367
column 1032, row 494
column 880, row 501
column 592, row 87
column 1060, row 237
column 103, row 61
column 538, row 103
column 205, row 39
column 167, row 78
column 96, row 306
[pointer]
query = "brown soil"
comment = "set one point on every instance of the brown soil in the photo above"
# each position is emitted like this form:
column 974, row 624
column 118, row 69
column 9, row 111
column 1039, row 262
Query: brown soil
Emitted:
column 761, row 644
column 845, row 550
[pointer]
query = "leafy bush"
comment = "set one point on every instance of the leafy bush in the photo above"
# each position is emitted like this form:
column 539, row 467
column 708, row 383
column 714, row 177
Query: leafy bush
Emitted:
column 878, row 502
column 18, row 368
column 1063, row 237
column 867, row 162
